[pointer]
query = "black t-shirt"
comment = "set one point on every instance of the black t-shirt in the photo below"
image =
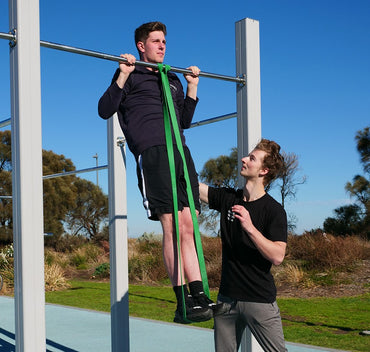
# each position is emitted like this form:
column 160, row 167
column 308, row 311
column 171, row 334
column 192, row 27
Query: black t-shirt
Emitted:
column 245, row 272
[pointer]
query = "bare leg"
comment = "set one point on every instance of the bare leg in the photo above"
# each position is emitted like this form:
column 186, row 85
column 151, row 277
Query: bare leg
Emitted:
column 189, row 265
column 189, row 259
column 169, row 249
column 189, row 254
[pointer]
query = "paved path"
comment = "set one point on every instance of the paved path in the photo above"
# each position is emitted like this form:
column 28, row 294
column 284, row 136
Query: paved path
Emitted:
column 79, row 330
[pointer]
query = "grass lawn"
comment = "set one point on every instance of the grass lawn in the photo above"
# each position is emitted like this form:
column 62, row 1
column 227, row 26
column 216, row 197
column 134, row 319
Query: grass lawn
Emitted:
column 326, row 322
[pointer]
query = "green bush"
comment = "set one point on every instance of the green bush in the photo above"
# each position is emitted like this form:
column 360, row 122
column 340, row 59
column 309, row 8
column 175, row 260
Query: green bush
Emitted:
column 102, row 270
column 79, row 260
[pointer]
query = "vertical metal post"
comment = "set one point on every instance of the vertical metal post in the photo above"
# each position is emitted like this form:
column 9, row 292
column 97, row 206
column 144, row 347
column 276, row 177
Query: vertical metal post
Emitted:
column 118, row 237
column 27, row 177
column 248, row 110
column 249, row 95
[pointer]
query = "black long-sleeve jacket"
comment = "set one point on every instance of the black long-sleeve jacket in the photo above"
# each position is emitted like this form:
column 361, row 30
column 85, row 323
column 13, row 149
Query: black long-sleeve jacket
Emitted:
column 140, row 110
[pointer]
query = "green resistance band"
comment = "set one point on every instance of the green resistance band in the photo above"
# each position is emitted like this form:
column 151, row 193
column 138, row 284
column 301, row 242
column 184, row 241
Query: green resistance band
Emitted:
column 170, row 118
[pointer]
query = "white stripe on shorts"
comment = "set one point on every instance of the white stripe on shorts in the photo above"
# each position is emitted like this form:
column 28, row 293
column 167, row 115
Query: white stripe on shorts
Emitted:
column 145, row 199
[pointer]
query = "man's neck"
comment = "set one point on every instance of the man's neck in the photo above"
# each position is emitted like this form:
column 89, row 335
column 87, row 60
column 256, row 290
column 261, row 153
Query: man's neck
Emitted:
column 253, row 191
column 150, row 68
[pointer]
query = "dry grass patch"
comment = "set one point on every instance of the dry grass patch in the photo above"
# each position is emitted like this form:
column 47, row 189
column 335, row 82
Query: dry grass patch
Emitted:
column 55, row 278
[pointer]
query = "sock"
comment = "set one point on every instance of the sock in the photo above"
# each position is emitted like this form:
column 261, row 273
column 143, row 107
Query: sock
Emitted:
column 178, row 293
column 196, row 287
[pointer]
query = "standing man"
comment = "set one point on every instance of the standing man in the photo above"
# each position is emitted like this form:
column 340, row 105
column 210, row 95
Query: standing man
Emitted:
column 254, row 236
column 136, row 95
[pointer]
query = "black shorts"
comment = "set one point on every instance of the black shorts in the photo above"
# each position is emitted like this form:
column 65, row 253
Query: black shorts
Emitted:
column 154, row 181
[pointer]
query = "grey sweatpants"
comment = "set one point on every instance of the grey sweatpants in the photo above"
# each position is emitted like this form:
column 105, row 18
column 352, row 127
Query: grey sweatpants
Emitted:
column 263, row 319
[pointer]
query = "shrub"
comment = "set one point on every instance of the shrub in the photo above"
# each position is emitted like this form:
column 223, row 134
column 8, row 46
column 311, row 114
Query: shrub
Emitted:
column 6, row 235
column 7, row 267
column 65, row 243
column 213, row 257
column 293, row 273
column 54, row 278
column 145, row 259
column 87, row 255
column 321, row 251
column 102, row 271
column 53, row 257
column 7, row 273
column 147, row 268
column 79, row 259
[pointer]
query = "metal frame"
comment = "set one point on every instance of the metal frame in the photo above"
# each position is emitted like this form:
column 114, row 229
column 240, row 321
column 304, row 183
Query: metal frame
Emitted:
column 27, row 169
column 118, row 237
column 6, row 122
column 29, row 283
column 97, row 54
column 249, row 95
column 249, row 112
column 139, row 63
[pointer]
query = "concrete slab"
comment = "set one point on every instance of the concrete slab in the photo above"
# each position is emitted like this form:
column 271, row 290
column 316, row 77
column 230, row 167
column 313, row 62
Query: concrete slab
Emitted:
column 80, row 330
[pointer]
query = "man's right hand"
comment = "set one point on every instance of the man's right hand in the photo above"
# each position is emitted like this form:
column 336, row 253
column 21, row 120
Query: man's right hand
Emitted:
column 125, row 69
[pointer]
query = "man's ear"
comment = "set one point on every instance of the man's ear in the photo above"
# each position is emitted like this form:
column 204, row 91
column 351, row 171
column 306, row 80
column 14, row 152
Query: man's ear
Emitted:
column 140, row 47
column 264, row 171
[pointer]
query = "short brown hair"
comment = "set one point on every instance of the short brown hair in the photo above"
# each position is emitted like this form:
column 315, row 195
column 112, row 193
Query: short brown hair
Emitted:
column 142, row 32
column 273, row 160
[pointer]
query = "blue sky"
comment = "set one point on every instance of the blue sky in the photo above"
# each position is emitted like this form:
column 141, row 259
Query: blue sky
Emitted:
column 315, row 74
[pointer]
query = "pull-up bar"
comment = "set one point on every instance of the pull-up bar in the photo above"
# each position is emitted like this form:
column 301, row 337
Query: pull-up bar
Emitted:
column 9, row 36
column 99, row 55
column 27, row 172
column 194, row 124
column 5, row 123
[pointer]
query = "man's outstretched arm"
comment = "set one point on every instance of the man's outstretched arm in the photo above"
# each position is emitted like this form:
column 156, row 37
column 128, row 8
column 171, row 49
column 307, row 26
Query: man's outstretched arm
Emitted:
column 203, row 192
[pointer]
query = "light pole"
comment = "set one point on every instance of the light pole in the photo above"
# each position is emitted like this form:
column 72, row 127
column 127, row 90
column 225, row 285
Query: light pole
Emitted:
column 97, row 171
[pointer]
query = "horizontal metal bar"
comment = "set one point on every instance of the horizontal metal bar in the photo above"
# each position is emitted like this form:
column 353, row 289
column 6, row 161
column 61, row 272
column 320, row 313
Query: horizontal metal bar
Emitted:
column 140, row 63
column 104, row 56
column 8, row 36
column 213, row 119
column 96, row 168
column 4, row 123
column 194, row 124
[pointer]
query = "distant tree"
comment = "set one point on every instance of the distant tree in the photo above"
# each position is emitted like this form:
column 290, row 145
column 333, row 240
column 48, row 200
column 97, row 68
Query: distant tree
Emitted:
column 6, row 209
column 363, row 147
column 64, row 197
column 346, row 222
column 360, row 186
column 288, row 180
column 5, row 202
column 6, row 212
column 219, row 172
column 90, row 210
column 355, row 219
column 5, row 151
column 222, row 171
column 360, row 190
column 59, row 192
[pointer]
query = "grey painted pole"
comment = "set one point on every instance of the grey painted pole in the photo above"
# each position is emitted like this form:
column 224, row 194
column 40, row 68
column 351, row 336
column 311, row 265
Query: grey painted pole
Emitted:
column 29, row 296
column 248, row 95
column 248, row 110
column 118, row 237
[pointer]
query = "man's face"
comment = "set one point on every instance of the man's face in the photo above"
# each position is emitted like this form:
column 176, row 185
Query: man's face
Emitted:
column 154, row 47
column 252, row 165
